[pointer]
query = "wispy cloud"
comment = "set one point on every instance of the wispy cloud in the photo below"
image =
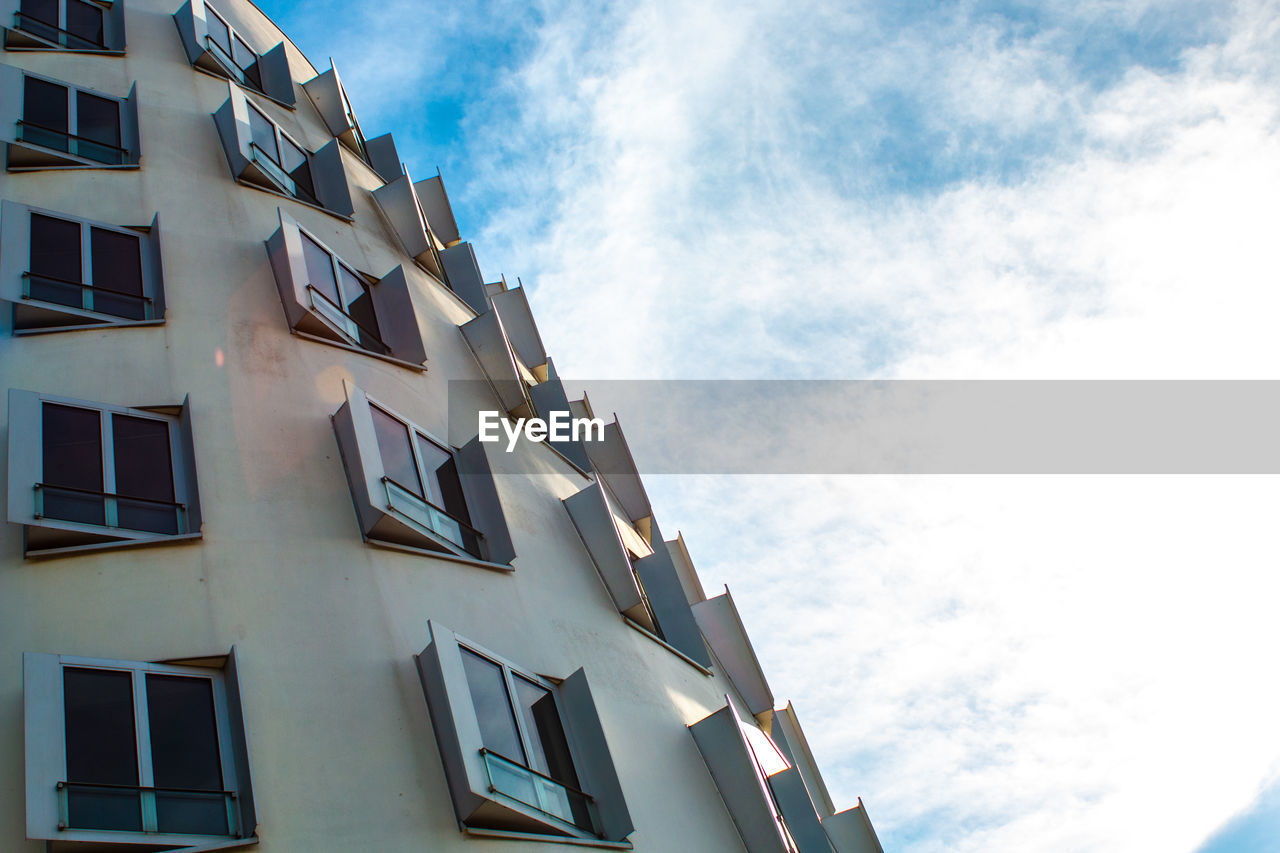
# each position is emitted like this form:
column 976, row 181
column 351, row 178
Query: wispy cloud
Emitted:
column 978, row 189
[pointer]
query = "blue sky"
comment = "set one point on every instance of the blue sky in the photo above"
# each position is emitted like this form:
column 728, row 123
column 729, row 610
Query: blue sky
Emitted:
column 819, row 189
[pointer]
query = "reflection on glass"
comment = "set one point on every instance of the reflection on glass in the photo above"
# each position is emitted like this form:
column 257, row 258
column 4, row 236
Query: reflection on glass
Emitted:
column 71, row 446
column 498, row 730
column 185, row 755
column 397, row 454
column 144, row 470
column 101, row 749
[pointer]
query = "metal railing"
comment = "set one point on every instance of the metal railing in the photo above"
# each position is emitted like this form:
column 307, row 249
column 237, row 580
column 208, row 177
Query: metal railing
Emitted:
column 56, row 139
column 77, row 294
column 32, row 25
column 350, row 326
column 273, row 169
column 161, row 810
column 105, row 509
column 552, row 798
column 419, row 511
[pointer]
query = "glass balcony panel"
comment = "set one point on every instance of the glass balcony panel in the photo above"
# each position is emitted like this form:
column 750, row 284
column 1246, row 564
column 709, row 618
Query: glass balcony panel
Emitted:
column 424, row 514
column 68, row 505
column 273, row 170
column 540, row 792
column 194, row 812
column 147, row 516
column 57, row 291
column 90, row 807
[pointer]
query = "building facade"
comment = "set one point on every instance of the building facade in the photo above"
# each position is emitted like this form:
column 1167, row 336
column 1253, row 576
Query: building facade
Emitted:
column 260, row 584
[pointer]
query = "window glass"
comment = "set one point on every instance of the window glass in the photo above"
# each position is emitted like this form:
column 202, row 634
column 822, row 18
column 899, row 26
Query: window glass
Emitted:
column 218, row 31
column 55, row 249
column 397, row 454
column 144, row 470
column 44, row 113
column 320, row 269
column 549, row 748
column 101, row 749
column 359, row 304
column 116, row 261
column 498, row 729
column 294, row 161
column 98, row 126
column 45, row 11
column 72, row 457
column 241, row 53
column 433, row 457
column 84, row 22
column 263, row 134
column 185, row 755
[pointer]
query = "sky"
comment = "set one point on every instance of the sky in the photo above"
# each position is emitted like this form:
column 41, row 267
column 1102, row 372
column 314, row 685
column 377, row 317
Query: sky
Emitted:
column 908, row 190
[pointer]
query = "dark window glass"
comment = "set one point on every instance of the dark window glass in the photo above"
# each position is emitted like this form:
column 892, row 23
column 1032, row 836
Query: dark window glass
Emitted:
column 84, row 24
column 241, row 53
column 45, row 11
column 294, row 161
column 40, row 17
column 143, row 470
column 547, row 735
column 263, row 134
column 218, row 31
column 98, row 126
column 493, row 708
column 359, row 304
column 117, row 273
column 397, row 454
column 71, row 444
column 184, row 754
column 320, row 270
column 44, row 113
column 433, row 457
column 55, row 261
column 102, row 749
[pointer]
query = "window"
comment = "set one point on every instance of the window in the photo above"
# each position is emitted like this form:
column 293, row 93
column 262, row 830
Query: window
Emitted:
column 60, row 272
column 263, row 155
column 213, row 44
column 641, row 578
column 87, row 475
column 63, row 126
column 134, row 752
column 413, row 490
column 327, row 299
column 521, row 752
column 330, row 99
column 765, row 795
column 87, row 26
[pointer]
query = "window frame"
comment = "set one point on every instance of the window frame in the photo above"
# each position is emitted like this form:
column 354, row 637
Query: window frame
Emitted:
column 332, row 192
column 26, row 155
column 274, row 78
column 46, row 738
column 26, row 477
column 478, row 803
column 18, row 38
column 15, row 272
column 384, row 525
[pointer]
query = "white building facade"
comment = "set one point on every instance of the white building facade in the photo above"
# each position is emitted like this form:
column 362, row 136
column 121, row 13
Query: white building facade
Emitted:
column 260, row 584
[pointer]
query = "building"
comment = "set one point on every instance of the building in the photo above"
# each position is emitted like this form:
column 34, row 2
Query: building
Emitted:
column 260, row 585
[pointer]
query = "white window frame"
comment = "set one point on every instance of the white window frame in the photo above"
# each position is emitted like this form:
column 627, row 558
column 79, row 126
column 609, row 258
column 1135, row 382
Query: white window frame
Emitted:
column 104, row 48
column 148, row 246
column 107, row 434
column 46, row 769
column 127, row 157
column 346, row 325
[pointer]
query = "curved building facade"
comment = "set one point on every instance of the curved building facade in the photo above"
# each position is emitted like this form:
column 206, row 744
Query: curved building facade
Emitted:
column 260, row 584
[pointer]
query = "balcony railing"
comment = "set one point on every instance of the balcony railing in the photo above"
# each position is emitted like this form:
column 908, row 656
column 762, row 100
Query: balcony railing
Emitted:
column 244, row 76
column 104, row 509
column 133, row 808
column 52, row 33
column 429, row 517
column 77, row 294
column 65, row 141
column 274, row 170
column 552, row 798
column 350, row 326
